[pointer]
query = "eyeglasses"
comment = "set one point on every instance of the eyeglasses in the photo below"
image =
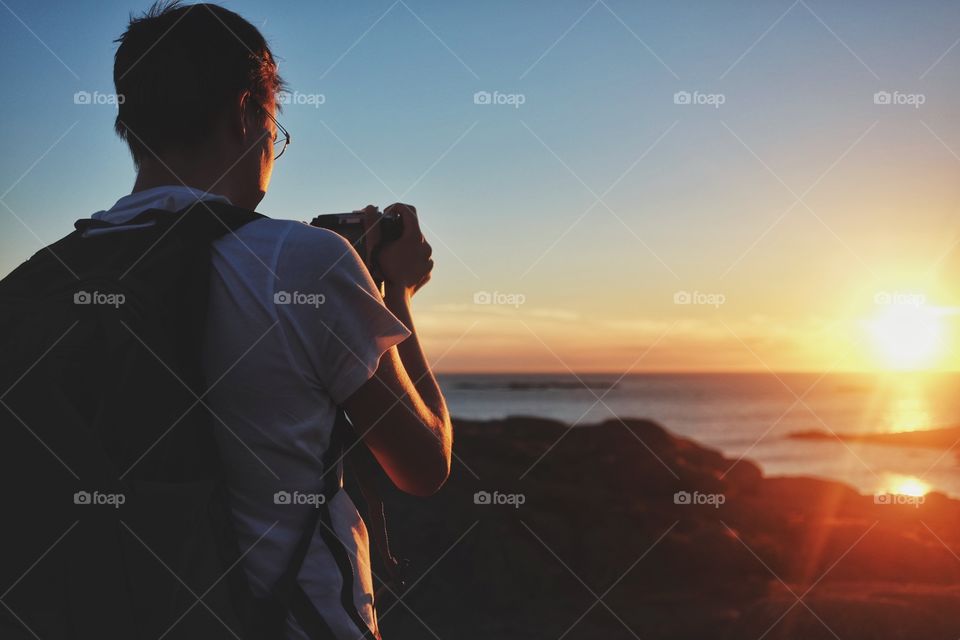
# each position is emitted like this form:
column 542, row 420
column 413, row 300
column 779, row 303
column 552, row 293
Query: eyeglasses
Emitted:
column 280, row 144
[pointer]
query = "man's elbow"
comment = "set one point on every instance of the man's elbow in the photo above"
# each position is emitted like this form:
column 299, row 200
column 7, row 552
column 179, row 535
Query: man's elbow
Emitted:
column 424, row 488
column 430, row 474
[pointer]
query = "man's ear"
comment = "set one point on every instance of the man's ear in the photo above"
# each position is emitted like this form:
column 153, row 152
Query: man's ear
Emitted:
column 240, row 111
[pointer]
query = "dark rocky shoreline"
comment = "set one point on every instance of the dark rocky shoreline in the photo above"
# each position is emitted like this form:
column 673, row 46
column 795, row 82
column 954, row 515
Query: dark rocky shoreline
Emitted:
column 599, row 519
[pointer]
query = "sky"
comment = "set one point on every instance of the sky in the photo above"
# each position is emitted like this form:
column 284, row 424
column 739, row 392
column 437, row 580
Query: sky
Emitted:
column 608, row 186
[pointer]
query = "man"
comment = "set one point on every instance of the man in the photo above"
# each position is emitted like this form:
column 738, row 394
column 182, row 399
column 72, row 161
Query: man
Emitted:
column 296, row 326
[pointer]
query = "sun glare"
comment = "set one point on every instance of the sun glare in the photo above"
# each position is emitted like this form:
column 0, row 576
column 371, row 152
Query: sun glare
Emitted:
column 906, row 336
column 907, row 486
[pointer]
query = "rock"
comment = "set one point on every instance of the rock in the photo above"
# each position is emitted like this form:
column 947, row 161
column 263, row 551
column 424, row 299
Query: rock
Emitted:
column 590, row 512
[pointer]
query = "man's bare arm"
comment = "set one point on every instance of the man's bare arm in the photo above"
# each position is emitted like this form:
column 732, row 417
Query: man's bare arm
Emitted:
column 412, row 356
column 400, row 412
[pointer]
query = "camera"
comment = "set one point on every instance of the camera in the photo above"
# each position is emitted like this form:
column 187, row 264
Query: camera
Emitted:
column 350, row 226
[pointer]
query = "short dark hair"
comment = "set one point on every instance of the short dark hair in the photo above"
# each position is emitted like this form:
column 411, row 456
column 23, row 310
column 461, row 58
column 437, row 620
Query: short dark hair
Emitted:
column 178, row 67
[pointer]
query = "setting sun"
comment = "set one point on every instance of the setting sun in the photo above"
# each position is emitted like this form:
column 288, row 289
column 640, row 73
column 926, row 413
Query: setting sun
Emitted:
column 906, row 336
column 907, row 486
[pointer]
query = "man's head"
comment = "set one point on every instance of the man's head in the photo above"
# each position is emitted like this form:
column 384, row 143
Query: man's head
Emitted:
column 199, row 84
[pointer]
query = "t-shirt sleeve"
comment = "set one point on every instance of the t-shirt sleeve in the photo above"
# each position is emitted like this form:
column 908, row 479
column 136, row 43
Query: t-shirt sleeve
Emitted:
column 331, row 311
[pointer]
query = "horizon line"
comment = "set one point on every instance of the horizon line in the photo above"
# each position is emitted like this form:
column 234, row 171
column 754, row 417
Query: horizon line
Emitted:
column 699, row 372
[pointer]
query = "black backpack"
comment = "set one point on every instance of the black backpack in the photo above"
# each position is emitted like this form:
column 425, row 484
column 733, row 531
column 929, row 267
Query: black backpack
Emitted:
column 115, row 520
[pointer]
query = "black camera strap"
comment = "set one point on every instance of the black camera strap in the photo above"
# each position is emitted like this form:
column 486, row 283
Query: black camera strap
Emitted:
column 366, row 470
column 353, row 455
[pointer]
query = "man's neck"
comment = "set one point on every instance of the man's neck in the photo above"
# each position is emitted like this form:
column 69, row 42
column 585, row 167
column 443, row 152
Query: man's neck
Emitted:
column 154, row 175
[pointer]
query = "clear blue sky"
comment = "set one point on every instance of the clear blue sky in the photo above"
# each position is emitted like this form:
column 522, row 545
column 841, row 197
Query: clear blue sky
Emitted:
column 701, row 211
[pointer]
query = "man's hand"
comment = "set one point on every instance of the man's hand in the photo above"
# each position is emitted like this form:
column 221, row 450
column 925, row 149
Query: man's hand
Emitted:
column 405, row 263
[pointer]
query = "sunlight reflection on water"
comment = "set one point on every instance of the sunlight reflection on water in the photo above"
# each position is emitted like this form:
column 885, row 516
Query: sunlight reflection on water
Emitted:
column 754, row 415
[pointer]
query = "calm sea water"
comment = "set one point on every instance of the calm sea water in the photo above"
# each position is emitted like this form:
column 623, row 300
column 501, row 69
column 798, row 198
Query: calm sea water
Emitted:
column 752, row 415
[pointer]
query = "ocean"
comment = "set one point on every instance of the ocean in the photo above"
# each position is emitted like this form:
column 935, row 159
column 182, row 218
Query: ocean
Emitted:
column 752, row 415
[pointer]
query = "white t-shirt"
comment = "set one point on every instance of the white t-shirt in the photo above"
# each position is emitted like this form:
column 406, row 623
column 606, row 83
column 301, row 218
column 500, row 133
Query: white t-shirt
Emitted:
column 295, row 325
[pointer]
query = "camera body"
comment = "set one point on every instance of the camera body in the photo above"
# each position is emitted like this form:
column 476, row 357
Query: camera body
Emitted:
column 350, row 226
